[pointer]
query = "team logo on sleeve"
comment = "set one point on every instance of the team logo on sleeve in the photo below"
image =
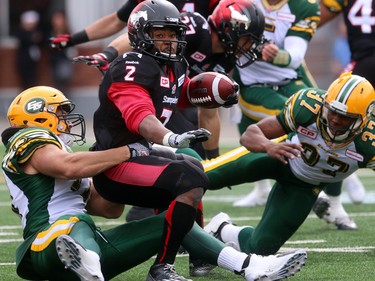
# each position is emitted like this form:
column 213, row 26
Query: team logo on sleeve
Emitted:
column 198, row 56
column 34, row 105
column 306, row 132
column 164, row 82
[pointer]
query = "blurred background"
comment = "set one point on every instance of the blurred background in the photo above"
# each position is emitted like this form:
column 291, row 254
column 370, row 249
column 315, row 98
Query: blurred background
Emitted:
column 26, row 59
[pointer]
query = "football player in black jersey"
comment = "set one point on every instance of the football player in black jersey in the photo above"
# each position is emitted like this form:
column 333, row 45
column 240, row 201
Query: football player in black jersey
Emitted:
column 234, row 28
column 360, row 24
column 138, row 95
column 117, row 21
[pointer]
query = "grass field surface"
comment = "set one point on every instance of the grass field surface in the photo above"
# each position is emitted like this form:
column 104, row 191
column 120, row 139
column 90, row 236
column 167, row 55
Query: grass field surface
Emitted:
column 332, row 254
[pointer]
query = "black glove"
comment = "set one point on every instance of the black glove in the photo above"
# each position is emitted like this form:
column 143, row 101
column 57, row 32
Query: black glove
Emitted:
column 97, row 60
column 187, row 139
column 233, row 98
column 59, row 42
column 141, row 148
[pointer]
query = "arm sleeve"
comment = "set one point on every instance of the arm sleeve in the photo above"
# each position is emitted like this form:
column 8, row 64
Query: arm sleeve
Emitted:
column 134, row 103
column 183, row 101
column 296, row 47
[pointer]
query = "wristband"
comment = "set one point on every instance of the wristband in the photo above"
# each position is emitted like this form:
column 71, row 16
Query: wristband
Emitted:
column 79, row 37
column 166, row 139
column 109, row 53
column 212, row 153
column 282, row 58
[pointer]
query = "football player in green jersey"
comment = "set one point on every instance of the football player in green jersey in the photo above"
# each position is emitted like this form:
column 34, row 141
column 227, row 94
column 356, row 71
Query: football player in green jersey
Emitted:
column 327, row 136
column 49, row 184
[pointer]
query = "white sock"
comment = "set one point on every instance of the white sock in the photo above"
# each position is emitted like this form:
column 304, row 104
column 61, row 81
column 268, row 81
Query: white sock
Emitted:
column 231, row 259
column 230, row 232
column 334, row 201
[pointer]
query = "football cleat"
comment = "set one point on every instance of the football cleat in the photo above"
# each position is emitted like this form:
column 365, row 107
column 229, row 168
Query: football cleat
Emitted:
column 198, row 267
column 216, row 224
column 84, row 263
column 337, row 216
column 164, row 272
column 274, row 267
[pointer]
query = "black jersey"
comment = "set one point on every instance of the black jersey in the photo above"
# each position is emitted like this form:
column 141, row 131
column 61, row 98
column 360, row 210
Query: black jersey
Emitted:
column 198, row 51
column 203, row 7
column 129, row 70
column 359, row 17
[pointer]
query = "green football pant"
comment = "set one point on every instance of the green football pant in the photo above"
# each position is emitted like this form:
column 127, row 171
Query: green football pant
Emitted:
column 123, row 247
column 288, row 205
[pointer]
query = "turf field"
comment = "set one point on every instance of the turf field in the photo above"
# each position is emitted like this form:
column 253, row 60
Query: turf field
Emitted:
column 332, row 254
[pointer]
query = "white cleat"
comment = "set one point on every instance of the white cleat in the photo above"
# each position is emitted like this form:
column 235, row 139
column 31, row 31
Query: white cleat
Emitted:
column 333, row 214
column 354, row 187
column 216, row 224
column 275, row 267
column 83, row 262
column 257, row 197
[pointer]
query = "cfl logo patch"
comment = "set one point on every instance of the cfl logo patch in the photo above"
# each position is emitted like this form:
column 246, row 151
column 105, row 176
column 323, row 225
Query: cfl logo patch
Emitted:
column 198, row 56
column 35, row 105
column 164, row 82
column 307, row 133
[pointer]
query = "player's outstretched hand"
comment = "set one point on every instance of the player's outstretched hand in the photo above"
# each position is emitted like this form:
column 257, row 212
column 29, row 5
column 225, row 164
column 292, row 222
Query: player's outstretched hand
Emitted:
column 188, row 139
column 141, row 148
column 96, row 60
column 283, row 151
column 60, row 42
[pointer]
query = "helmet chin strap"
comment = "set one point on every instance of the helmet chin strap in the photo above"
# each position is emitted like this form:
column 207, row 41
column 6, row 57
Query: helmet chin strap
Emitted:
column 67, row 139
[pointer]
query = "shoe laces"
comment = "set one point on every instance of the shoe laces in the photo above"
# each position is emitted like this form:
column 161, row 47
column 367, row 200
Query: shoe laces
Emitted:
column 170, row 270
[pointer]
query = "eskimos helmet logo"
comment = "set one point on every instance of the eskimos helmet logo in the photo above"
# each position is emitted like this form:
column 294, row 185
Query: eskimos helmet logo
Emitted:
column 34, row 105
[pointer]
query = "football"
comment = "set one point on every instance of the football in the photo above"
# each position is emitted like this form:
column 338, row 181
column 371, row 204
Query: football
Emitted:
column 212, row 90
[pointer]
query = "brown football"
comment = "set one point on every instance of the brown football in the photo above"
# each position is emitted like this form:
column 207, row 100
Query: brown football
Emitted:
column 210, row 89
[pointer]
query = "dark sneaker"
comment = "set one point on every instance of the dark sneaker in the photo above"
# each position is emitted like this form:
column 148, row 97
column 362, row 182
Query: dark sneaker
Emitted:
column 164, row 272
column 198, row 267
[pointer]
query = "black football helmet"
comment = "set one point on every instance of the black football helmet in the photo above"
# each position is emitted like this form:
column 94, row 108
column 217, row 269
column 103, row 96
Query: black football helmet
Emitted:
column 233, row 19
column 151, row 14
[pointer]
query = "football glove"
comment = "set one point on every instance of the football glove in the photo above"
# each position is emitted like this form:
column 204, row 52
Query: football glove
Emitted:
column 60, row 42
column 141, row 148
column 233, row 98
column 98, row 60
column 187, row 139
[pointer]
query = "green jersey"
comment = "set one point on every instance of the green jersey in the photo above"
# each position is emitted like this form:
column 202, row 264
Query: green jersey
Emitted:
column 323, row 162
column 39, row 199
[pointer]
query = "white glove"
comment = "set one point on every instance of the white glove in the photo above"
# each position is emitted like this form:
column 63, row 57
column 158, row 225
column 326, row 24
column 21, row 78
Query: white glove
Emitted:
column 187, row 139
